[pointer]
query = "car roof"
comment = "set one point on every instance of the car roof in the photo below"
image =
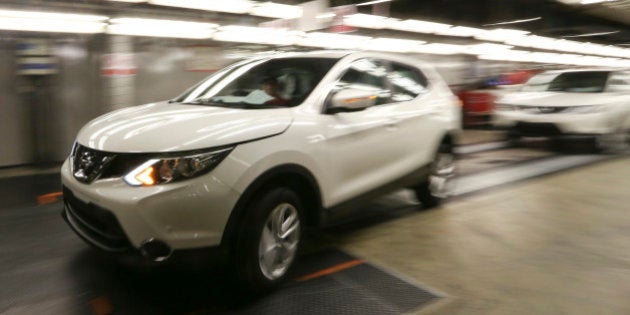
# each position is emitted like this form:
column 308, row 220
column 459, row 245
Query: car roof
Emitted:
column 335, row 54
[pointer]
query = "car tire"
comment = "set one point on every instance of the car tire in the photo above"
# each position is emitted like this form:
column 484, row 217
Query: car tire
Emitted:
column 613, row 143
column 440, row 180
column 513, row 139
column 263, row 256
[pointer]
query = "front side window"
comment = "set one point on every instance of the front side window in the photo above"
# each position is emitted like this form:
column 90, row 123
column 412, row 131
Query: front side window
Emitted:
column 369, row 75
column 282, row 82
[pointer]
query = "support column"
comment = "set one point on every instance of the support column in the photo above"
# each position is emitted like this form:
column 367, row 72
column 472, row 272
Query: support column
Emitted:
column 119, row 68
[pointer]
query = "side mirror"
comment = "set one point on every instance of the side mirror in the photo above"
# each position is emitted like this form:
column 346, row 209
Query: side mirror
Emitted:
column 352, row 99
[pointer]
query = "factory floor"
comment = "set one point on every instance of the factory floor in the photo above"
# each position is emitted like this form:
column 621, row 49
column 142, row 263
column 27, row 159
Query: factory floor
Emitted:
column 553, row 245
column 529, row 231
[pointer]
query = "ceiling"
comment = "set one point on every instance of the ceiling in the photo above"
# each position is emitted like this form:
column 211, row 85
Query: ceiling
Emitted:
column 557, row 19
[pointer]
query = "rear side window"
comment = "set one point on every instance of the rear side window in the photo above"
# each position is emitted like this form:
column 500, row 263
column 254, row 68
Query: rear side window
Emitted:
column 619, row 82
column 407, row 82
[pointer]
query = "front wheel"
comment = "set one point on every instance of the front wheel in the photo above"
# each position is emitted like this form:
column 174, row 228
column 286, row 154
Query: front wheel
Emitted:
column 614, row 143
column 269, row 240
column 440, row 182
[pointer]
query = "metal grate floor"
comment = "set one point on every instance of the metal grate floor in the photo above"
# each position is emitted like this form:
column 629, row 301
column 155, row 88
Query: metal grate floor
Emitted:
column 360, row 289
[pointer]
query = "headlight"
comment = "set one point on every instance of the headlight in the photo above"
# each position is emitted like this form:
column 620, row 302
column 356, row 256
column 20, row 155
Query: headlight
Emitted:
column 586, row 109
column 169, row 169
column 504, row 107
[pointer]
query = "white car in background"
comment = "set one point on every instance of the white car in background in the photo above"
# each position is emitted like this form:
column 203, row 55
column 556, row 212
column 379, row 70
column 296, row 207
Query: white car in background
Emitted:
column 586, row 104
column 249, row 157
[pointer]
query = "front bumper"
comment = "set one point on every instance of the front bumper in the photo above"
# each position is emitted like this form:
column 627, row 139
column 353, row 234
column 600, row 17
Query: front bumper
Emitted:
column 587, row 124
column 114, row 216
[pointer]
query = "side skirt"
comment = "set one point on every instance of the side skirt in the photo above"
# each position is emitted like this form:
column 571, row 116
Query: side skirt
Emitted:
column 345, row 209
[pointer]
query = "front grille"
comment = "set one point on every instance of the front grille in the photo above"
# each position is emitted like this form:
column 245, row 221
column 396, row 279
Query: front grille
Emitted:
column 543, row 109
column 89, row 164
column 536, row 129
column 96, row 225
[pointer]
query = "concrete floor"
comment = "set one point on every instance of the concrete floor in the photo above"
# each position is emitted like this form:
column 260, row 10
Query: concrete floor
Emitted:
column 558, row 244
column 554, row 245
column 473, row 136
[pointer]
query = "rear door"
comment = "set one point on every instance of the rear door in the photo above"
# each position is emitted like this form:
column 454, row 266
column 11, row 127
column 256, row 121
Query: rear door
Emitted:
column 418, row 113
column 360, row 145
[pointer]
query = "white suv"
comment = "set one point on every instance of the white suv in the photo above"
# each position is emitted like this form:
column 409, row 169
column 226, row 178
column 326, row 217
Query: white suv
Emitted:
column 250, row 156
column 584, row 104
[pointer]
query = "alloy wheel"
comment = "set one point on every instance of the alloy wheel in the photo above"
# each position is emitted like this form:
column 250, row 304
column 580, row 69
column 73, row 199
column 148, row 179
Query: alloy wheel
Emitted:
column 441, row 178
column 279, row 241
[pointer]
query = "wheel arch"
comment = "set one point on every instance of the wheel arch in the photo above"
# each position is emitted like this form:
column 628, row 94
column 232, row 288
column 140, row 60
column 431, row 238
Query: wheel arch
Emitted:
column 293, row 176
column 449, row 139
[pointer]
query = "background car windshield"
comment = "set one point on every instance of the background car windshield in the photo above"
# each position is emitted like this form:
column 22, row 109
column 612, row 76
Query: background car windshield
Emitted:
column 282, row 82
column 580, row 82
column 539, row 82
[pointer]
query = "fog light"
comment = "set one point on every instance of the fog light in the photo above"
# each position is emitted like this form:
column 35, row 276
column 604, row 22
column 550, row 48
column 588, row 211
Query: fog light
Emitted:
column 155, row 250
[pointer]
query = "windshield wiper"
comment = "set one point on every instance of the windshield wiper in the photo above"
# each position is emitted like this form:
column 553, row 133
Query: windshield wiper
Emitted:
column 207, row 102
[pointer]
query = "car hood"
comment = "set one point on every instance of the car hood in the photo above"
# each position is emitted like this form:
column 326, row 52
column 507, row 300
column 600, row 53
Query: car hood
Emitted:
column 163, row 127
column 560, row 99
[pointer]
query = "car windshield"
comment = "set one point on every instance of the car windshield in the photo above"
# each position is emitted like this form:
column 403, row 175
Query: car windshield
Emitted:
column 266, row 83
column 539, row 82
column 573, row 82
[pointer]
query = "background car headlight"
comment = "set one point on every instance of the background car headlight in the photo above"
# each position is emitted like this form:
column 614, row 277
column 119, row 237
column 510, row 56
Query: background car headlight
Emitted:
column 504, row 107
column 169, row 169
column 586, row 109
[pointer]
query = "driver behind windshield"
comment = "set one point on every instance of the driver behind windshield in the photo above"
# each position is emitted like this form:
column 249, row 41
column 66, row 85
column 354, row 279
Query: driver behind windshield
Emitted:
column 271, row 86
column 268, row 94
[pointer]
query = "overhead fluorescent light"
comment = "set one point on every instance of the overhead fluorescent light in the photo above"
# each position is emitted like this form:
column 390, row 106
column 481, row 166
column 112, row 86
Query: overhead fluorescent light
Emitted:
column 327, row 15
column 36, row 21
column 515, row 21
column 392, row 44
column 333, row 41
column 257, row 35
column 461, row 31
column 585, row 2
column 52, row 16
column 129, row 1
column 591, row 34
column 275, row 10
column 367, row 21
column 161, row 28
column 419, row 26
column 231, row 6
column 595, row 1
column 486, row 48
column 30, row 25
column 512, row 55
column 373, row 2
column 534, row 41
column 501, row 34
column 440, row 49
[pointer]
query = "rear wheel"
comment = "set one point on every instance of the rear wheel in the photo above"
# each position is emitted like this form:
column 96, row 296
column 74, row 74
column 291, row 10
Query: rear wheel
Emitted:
column 269, row 240
column 440, row 182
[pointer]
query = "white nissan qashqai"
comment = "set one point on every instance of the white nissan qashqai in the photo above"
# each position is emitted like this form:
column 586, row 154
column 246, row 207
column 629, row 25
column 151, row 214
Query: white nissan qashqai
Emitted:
column 249, row 157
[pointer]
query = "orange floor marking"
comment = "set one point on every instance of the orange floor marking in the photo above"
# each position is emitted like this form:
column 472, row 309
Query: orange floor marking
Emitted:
column 331, row 270
column 101, row 306
column 48, row 198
